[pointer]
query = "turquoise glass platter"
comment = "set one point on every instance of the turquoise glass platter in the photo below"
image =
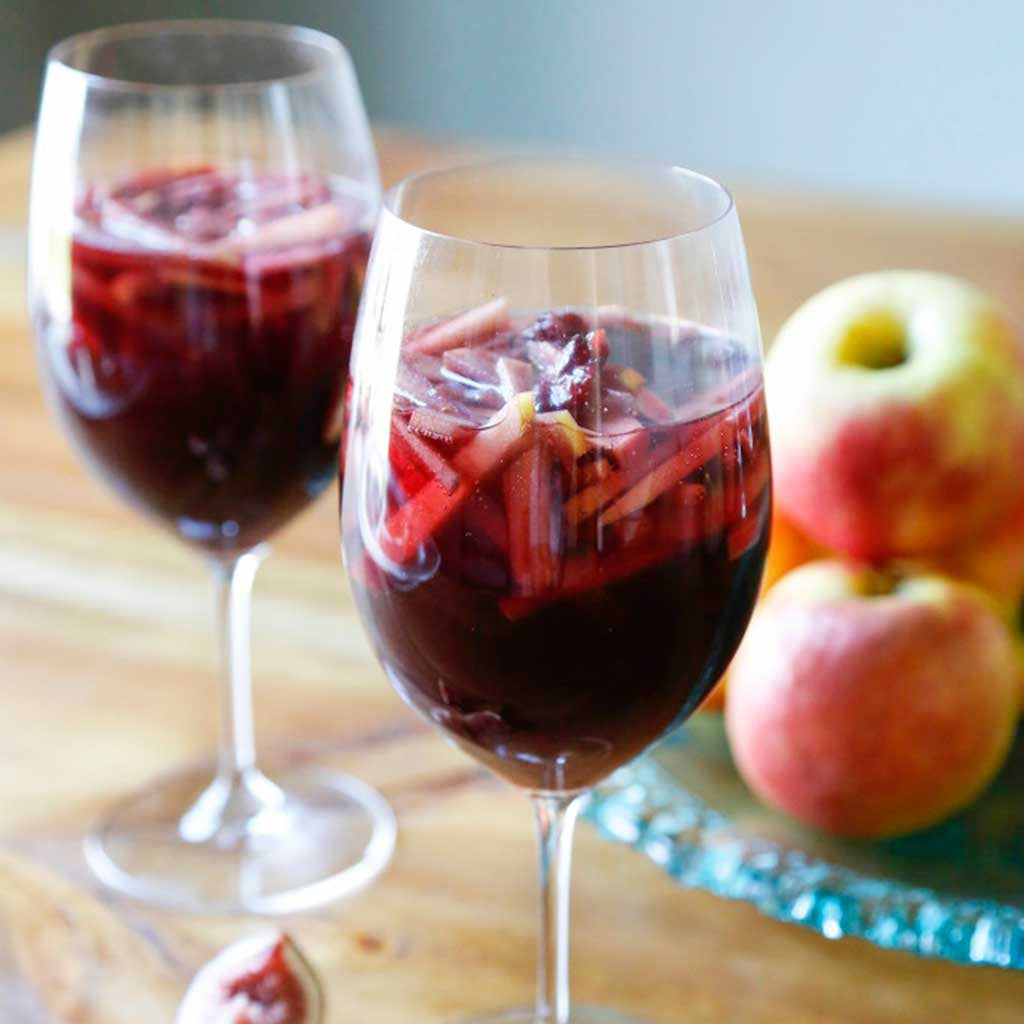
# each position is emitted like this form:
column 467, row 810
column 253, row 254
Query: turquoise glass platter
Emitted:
column 955, row 891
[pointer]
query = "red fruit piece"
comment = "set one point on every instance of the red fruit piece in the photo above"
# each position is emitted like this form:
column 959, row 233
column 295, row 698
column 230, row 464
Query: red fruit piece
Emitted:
column 654, row 485
column 652, row 407
column 565, row 436
column 496, row 441
column 439, row 427
column 616, row 403
column 272, row 993
column 585, row 573
column 543, row 354
column 597, row 341
column 622, row 378
column 622, row 439
column 514, row 376
column 260, row 980
column 324, row 221
column 743, row 536
column 462, row 330
column 670, row 465
column 574, row 354
column 432, row 461
column 585, row 503
column 485, row 520
column 225, row 278
column 534, row 520
column 414, row 386
column 490, row 448
column 744, row 484
column 556, row 327
column 471, row 364
column 421, row 516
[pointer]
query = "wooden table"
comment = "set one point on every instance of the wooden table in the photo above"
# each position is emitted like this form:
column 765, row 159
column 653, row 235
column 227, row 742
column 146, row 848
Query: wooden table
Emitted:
column 108, row 679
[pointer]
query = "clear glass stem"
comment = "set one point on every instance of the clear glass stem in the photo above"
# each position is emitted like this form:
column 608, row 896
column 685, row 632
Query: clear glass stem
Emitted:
column 241, row 801
column 556, row 822
column 233, row 582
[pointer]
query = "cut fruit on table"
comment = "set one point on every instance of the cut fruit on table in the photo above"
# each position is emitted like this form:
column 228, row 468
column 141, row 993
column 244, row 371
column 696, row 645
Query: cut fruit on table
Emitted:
column 263, row 979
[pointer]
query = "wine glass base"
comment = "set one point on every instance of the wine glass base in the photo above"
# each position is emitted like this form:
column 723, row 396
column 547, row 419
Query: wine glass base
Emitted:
column 578, row 1015
column 303, row 840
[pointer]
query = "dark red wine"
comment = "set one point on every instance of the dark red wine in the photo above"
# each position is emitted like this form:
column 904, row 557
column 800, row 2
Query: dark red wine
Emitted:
column 566, row 558
column 210, row 328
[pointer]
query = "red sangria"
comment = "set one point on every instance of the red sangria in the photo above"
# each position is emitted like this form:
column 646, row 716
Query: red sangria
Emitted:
column 210, row 330
column 556, row 501
column 203, row 194
column 564, row 556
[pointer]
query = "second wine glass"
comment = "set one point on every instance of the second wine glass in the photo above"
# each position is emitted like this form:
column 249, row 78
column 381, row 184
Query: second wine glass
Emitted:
column 203, row 195
column 557, row 484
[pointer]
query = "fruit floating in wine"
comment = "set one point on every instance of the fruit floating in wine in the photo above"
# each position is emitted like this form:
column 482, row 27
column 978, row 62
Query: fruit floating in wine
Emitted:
column 563, row 557
column 207, row 352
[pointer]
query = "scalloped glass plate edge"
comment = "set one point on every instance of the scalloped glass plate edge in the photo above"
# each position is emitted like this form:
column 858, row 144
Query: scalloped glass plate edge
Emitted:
column 642, row 806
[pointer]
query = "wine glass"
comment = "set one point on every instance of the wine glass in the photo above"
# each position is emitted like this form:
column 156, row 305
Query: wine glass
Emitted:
column 203, row 197
column 557, row 487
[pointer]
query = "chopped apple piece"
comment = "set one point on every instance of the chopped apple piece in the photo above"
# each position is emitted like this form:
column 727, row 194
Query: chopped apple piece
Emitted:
column 413, row 386
column 534, row 521
column 323, row 221
column 565, row 435
column 743, row 536
column 652, row 406
column 743, row 486
column 419, row 518
column 515, row 375
column 439, row 426
column 616, row 403
column 471, row 364
column 485, row 519
column 543, row 354
column 497, row 441
column 582, row 574
column 585, row 503
column 670, row 466
column 597, row 340
column 593, row 471
column 622, row 439
column 432, row 461
column 472, row 327
column 624, row 377
column 653, row 486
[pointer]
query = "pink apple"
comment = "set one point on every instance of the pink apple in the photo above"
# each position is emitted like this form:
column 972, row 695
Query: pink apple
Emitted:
column 896, row 403
column 993, row 561
column 868, row 705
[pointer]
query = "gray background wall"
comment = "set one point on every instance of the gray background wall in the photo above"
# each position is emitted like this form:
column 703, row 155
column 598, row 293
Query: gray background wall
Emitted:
column 919, row 100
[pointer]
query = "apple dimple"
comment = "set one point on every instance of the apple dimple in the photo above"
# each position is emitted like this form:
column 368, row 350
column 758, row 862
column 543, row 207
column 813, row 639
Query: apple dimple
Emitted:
column 877, row 340
column 897, row 405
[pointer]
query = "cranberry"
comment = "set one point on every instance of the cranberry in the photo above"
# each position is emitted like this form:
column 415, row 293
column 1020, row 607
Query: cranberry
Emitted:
column 555, row 327
column 576, row 353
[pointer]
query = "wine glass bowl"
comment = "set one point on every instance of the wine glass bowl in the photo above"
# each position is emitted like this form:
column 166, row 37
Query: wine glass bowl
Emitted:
column 202, row 370
column 203, row 197
column 558, row 479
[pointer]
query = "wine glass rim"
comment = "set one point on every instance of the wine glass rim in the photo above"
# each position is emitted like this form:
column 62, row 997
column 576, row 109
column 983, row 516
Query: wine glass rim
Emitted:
column 392, row 195
column 332, row 47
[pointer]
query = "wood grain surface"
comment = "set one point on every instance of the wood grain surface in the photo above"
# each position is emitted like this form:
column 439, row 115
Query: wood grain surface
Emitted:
column 107, row 679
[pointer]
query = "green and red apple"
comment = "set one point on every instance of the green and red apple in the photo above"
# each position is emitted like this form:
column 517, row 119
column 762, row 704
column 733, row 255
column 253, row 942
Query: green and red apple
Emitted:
column 896, row 403
column 871, row 705
column 995, row 562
